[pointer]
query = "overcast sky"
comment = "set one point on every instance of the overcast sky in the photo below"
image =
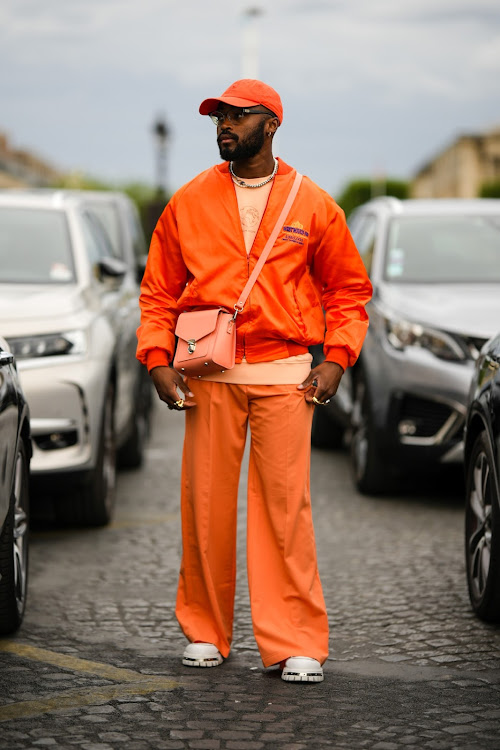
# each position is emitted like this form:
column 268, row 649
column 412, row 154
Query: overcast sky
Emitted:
column 368, row 87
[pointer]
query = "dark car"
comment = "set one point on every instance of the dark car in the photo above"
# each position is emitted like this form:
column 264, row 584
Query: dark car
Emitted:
column 482, row 473
column 15, row 454
column 435, row 270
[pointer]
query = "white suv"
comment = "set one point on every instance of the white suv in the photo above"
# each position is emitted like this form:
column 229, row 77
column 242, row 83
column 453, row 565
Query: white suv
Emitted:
column 69, row 291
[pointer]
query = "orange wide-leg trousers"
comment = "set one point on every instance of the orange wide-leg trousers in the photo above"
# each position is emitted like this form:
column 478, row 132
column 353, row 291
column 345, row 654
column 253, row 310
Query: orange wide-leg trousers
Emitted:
column 288, row 609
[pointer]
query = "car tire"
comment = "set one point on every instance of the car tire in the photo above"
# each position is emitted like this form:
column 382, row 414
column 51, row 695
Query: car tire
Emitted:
column 93, row 501
column 325, row 432
column 482, row 531
column 14, row 550
column 131, row 453
column 369, row 471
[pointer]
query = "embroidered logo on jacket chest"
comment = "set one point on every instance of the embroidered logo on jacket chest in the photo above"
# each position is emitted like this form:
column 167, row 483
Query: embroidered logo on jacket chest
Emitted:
column 295, row 232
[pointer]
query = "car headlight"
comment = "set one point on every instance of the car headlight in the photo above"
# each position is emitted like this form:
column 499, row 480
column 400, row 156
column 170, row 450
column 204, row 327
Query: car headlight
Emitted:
column 49, row 345
column 402, row 333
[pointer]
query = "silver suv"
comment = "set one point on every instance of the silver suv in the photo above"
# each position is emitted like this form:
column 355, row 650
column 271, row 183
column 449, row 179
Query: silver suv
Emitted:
column 435, row 269
column 70, row 264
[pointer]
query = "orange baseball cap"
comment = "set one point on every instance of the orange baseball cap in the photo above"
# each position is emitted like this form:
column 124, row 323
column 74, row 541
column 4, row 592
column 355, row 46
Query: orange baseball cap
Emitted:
column 247, row 92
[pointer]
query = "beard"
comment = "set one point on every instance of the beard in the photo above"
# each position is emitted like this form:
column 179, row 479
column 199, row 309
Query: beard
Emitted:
column 247, row 147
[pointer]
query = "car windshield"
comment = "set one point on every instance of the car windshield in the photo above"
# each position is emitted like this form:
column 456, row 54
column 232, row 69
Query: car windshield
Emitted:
column 110, row 221
column 35, row 247
column 443, row 249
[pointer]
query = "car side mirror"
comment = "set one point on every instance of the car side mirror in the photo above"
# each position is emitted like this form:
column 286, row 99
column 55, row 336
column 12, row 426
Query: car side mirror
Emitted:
column 6, row 358
column 112, row 268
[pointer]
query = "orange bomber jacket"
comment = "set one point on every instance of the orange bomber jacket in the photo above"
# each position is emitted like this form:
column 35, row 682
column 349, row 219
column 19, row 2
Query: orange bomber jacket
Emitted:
column 313, row 278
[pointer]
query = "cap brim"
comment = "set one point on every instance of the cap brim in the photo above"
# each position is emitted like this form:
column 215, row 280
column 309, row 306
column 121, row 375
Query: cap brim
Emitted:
column 210, row 105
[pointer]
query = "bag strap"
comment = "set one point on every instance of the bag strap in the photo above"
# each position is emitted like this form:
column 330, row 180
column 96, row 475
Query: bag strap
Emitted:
column 269, row 244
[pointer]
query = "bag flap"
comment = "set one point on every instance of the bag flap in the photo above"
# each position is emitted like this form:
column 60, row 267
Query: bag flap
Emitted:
column 196, row 324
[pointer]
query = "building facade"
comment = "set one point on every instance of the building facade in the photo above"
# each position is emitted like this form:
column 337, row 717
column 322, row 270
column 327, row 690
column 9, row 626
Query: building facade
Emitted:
column 460, row 170
column 21, row 168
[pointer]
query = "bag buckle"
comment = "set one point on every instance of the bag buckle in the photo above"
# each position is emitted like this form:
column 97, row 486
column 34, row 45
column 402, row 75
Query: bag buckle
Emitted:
column 191, row 345
column 238, row 307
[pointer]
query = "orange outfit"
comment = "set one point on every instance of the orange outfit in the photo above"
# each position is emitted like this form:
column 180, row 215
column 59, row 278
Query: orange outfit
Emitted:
column 198, row 259
column 313, row 276
column 288, row 609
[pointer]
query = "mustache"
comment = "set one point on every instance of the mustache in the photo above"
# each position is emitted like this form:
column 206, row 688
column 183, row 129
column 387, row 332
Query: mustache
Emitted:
column 225, row 136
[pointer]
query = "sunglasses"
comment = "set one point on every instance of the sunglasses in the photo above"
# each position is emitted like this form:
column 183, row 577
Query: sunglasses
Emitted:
column 236, row 115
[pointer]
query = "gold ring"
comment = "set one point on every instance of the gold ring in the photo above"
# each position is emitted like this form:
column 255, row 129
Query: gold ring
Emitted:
column 319, row 403
column 180, row 403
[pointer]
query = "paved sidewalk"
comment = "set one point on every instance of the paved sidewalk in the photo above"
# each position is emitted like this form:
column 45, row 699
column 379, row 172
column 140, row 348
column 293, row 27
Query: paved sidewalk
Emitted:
column 160, row 704
column 97, row 662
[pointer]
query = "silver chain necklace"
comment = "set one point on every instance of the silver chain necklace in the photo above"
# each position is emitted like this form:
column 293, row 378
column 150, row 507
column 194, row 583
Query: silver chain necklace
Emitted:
column 244, row 184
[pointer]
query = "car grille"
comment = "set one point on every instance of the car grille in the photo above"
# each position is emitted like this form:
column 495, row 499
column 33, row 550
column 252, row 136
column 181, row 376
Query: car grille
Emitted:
column 427, row 416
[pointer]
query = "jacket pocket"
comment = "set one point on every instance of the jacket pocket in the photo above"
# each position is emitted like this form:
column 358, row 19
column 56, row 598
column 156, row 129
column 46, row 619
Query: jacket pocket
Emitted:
column 308, row 307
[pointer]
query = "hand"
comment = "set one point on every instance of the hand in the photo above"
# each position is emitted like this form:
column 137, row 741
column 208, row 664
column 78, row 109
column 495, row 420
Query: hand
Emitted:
column 168, row 383
column 322, row 382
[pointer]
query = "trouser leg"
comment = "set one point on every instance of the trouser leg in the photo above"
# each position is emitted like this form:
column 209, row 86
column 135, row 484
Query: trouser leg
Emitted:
column 288, row 608
column 213, row 448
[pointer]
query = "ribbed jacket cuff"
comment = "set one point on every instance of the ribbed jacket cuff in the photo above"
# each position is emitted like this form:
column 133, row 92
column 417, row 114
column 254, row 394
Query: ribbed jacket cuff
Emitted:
column 156, row 358
column 339, row 355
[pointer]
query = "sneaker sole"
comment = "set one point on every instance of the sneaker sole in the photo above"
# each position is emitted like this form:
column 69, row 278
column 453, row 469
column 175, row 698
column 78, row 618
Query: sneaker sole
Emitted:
column 302, row 676
column 211, row 662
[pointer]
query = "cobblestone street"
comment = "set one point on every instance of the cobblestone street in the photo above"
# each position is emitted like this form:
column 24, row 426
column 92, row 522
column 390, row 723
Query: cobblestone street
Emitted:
column 97, row 665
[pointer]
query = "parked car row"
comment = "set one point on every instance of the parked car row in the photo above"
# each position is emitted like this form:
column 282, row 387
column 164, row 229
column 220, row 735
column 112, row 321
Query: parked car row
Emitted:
column 70, row 268
column 78, row 403
column 435, row 270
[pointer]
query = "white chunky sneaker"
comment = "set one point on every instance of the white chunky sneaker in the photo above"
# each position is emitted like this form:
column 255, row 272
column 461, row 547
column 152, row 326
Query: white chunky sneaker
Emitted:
column 201, row 655
column 302, row 669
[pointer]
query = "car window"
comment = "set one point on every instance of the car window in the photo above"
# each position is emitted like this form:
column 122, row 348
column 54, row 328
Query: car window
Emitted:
column 35, row 247
column 97, row 243
column 108, row 215
column 353, row 220
column 364, row 235
column 135, row 228
column 444, row 249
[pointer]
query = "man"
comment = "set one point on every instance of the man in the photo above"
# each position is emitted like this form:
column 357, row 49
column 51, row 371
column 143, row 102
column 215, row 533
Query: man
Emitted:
column 203, row 250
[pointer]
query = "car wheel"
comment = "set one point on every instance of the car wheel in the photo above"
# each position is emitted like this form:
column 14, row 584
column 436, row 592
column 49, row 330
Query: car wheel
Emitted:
column 482, row 532
column 131, row 453
column 368, row 469
column 14, row 550
column 325, row 432
column 93, row 502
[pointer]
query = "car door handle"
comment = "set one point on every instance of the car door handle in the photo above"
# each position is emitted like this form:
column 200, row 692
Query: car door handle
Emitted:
column 6, row 358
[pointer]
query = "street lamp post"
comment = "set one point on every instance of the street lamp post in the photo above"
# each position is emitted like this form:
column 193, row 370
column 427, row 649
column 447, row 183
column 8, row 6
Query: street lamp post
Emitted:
column 250, row 46
column 161, row 135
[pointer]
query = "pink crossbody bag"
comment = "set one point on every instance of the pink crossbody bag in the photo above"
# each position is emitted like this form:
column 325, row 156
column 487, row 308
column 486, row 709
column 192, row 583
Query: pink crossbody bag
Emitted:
column 207, row 338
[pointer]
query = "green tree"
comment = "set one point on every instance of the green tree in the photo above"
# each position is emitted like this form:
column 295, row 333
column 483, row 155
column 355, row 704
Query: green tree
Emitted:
column 80, row 181
column 362, row 190
column 490, row 189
